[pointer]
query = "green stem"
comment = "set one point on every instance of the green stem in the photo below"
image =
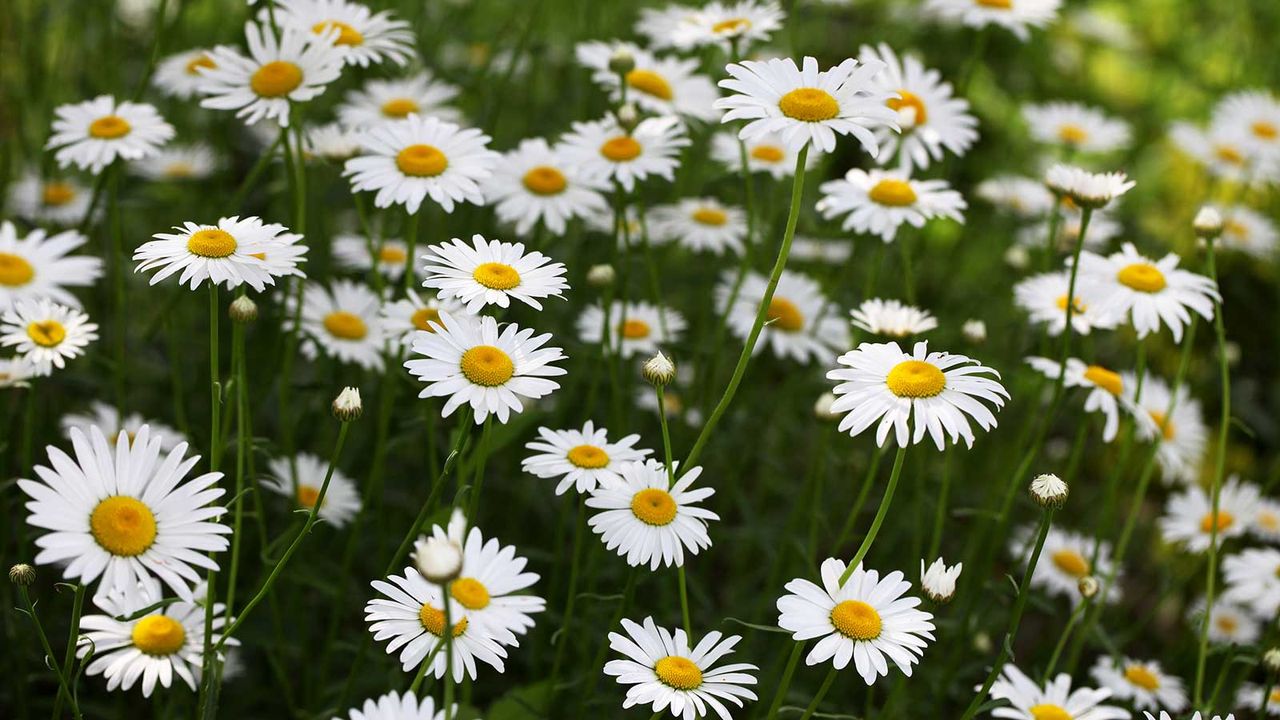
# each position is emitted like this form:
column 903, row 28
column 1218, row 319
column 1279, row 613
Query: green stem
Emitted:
column 63, row 687
column 868, row 479
column 464, row 432
column 684, row 602
column 666, row 435
column 68, row 658
column 566, row 621
column 880, row 514
column 784, row 683
column 473, row 504
column 822, row 693
column 1072, row 621
column 411, row 245
column 242, row 451
column 209, row 672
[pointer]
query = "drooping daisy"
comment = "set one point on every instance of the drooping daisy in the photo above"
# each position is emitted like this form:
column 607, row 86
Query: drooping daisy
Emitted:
column 293, row 69
column 1066, row 558
column 1251, row 580
column 892, row 318
column 935, row 391
column 123, row 515
column 57, row 201
column 492, row 272
column 1148, row 292
column 1053, row 700
column 343, row 321
column 380, row 101
column 533, row 184
column 800, row 323
column 664, row 670
column 300, row 479
column 1225, row 154
column 634, row 327
column 41, row 266
column 646, row 520
column 699, row 224
column 1249, row 231
column 331, row 142
column 727, row 24
column 880, row 201
column 581, row 459
column 1141, row 682
column 1189, row 521
column 1253, row 115
column 227, row 253
column 356, row 252
column 404, row 318
column 471, row 362
column 394, row 706
column 765, row 153
column 112, row 423
column 92, row 134
column 178, row 162
column 178, row 75
column 1106, row 389
column 1229, row 624
column 660, row 85
column 410, row 612
column 931, row 118
column 1075, row 126
column 1016, row 16
column 805, row 104
column 1086, row 189
column 1183, row 437
column 409, row 160
column 363, row 38
column 46, row 334
column 1044, row 298
column 1023, row 196
column 603, row 152
column 867, row 620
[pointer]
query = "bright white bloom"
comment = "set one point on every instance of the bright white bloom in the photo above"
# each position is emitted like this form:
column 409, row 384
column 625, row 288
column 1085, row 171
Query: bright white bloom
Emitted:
column 800, row 324
column 1023, row 196
column 1148, row 292
column 46, row 334
column 892, row 318
column 604, row 153
column 343, row 321
column 699, row 225
column 404, row 318
column 1087, row 189
column 300, row 479
column 534, row 183
column 1142, row 682
column 109, row 420
column 1252, row 581
column 1030, row 700
column 765, row 153
column 294, row 69
column 634, row 327
column 581, row 459
column 1076, row 126
column 1249, row 231
column 660, row 85
column 1107, row 393
column 380, row 101
column 491, row 272
column 1254, row 116
column 1189, row 520
column 649, row 521
column 178, row 162
column 394, row 706
column 363, row 37
column 356, row 252
column 1016, row 16
column 228, row 253
column 725, row 24
column 55, row 201
column 1044, row 298
column 178, row 75
column 879, row 202
column 40, row 266
column 939, row 581
column 331, row 142
column 1066, row 558
column 439, row 560
column 93, row 133
column 1182, row 437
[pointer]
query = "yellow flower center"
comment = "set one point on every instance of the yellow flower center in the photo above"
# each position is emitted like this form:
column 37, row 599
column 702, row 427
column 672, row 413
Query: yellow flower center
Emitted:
column 1224, row 521
column 730, row 26
column 1071, row 562
column 1265, row 130
column 1275, row 695
column 621, row 149
column 710, row 216
column 347, row 35
column 275, row 79
column 544, row 180
column 1045, row 711
column 179, row 169
column 635, row 329
column 1227, row 624
column 784, row 315
column 588, row 456
column 392, row 255
column 909, row 100
column 211, row 243
column 123, row 526
column 768, row 153
column 399, row 107
column 1061, row 302
column 158, row 635
column 1143, row 277
column 1269, row 521
column 15, row 270
column 109, row 127
column 679, row 673
column 487, row 365
column 894, row 193
column 345, row 325
column 650, row 83
column 496, row 276
column 307, row 495
column 1142, row 677
column 470, row 592
column 1236, row 229
column 856, row 620
column 809, row 105
column 1229, row 154
column 433, row 622
column 1104, row 378
column 1072, row 134
column 57, row 193
column 915, row 379
column 46, row 333
column 653, row 506
column 422, row 161
column 203, row 61
column 1164, row 423
column 423, row 316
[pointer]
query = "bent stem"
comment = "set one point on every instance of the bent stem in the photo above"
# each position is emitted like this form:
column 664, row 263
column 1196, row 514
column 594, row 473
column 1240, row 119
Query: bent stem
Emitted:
column 880, row 514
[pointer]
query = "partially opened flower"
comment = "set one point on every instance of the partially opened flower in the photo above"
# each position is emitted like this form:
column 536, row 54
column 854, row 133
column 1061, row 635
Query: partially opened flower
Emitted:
column 93, row 134
column 379, row 101
column 277, row 73
column 1087, row 189
column 879, row 202
column 492, row 272
column 939, row 581
column 660, row 85
column 363, row 36
column 45, row 334
column 1149, row 293
column 581, row 459
column 1075, row 126
column 41, row 266
column 1051, row 700
column 300, row 478
column 648, row 521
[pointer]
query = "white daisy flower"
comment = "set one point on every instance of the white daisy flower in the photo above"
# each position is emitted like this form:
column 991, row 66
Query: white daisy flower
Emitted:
column 1223, row 152
column 93, row 133
column 1054, row 700
column 1022, row 196
column 123, row 516
column 394, row 706
column 635, row 327
column 331, row 142
column 341, row 499
column 1189, row 520
column 660, row 85
column 533, row 183
column 698, row 225
column 1253, row 115
column 1142, row 682
column 648, row 521
column 1107, row 392
column 659, row 26
column 390, row 258
column 931, row 118
column 179, row 75
column 1148, row 292
column 827, row 251
column 581, row 459
column 867, row 620
column 1249, row 696
column 380, row 101
column 409, row 160
column 726, row 24
column 56, row 201
column 1266, row 522
column 1251, row 580
column 40, row 266
column 879, row 201
column 1066, row 558
column 805, row 104
column 1044, row 298
column 471, row 362
column 113, row 424
column 228, row 253
column 603, row 152
column 1093, row 190
column 892, row 318
column 1228, row 624
column 1016, row 16
column 363, row 37
column 491, row 272
column 1250, row 232
column 1183, row 438
column 664, row 670
column 934, row 391
column 46, row 334
column 294, row 69
column 15, row 372
column 800, row 324
column 404, row 318
column 343, row 321
column 765, row 153
column 1075, row 126
column 283, row 254
column 178, row 162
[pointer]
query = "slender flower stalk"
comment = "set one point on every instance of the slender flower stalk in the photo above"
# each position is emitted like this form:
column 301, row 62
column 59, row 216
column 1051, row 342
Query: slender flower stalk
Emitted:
column 822, row 693
column 784, row 683
column 242, row 451
column 64, row 688
column 69, row 657
column 459, row 445
column 209, row 671
column 575, row 566
column 885, row 501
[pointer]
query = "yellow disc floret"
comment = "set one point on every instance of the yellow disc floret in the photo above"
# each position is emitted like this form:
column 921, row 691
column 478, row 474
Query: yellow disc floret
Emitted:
column 487, row 365
column 856, row 620
column 46, row 333
column 1143, row 277
column 589, row 457
column 15, row 270
column 123, row 526
column 158, row 635
column 891, row 192
column 345, row 325
column 544, row 180
column 653, row 506
column 275, row 79
column 422, row 161
column 211, row 243
column 496, row 276
column 809, row 105
column 677, row 672
column 470, row 593
column 915, row 379
column 650, row 83
column 109, row 127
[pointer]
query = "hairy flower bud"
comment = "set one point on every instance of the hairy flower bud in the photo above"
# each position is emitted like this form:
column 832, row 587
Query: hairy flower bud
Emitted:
column 347, row 406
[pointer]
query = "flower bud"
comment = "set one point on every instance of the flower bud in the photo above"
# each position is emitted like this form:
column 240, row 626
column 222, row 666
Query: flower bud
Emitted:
column 1017, row 257
column 939, row 581
column 439, row 560
column 658, row 370
column 347, row 406
column 822, row 408
column 22, row 574
column 1208, row 223
column 1271, row 660
column 982, row 642
column 1088, row 586
column 243, row 310
column 601, row 276
column 1049, row 490
column 975, row 331
column 622, row 61
column 628, row 117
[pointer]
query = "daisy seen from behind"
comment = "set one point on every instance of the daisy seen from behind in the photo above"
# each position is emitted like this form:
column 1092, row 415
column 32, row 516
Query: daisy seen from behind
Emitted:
column 491, row 272
column 581, row 459
column 93, row 134
column 892, row 318
column 229, row 252
column 45, row 334
column 535, row 184
column 879, row 202
column 41, row 266
column 1086, row 189
column 648, row 521
column 295, row 68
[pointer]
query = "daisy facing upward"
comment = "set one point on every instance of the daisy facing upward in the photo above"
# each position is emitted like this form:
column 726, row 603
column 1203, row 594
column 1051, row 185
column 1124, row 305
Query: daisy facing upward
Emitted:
column 231, row 252
column 1149, row 293
column 45, row 334
column 648, row 521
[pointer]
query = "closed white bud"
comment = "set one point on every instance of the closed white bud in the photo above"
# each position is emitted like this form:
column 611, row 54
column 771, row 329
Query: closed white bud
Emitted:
column 658, row 370
column 601, row 276
column 243, row 310
column 982, row 642
column 975, row 331
column 1088, row 586
column 822, row 408
column 439, row 560
column 1017, row 257
column 939, row 581
column 347, row 406
column 1049, row 490
column 1208, row 223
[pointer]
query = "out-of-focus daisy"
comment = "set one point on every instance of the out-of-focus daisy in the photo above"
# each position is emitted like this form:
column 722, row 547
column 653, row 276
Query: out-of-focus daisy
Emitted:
column 123, row 514
column 46, row 334
column 1102, row 229
column 343, row 321
column 931, row 119
column 765, row 153
column 1266, row 522
column 57, row 201
column 409, row 160
column 93, row 133
column 892, row 318
column 1076, row 126
column 699, row 224
column 663, row 669
column 112, row 424
column 405, row 317
column 1023, row 196
column 800, row 323
column 394, row 706
column 471, row 362
column 1141, row 682
column 178, row 75
column 726, row 24
column 635, row 327
column 603, row 152
column 1229, row 624
column 1249, row 696
column 294, row 69
column 341, row 499
column 331, row 142
column 1253, row 115
column 1148, row 292
column 1086, row 189
column 1225, row 154
column 1054, row 700
column 1249, row 231
column 178, row 162
column 15, row 372
column 649, row 522
column 1189, row 520
column 363, row 38
column 1066, row 558
column 879, row 201
column 1016, row 16
column 534, row 183
column 661, row 85
column 390, row 258
column 867, row 620
column 659, row 25
column 826, row 251
column 928, row 392
column 1252, row 580
column 1183, row 437
column 1106, row 389
column 492, row 272
column 581, row 459
column 380, row 101
column 1044, row 297
column 228, row 253
column 41, row 266
column 803, row 104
